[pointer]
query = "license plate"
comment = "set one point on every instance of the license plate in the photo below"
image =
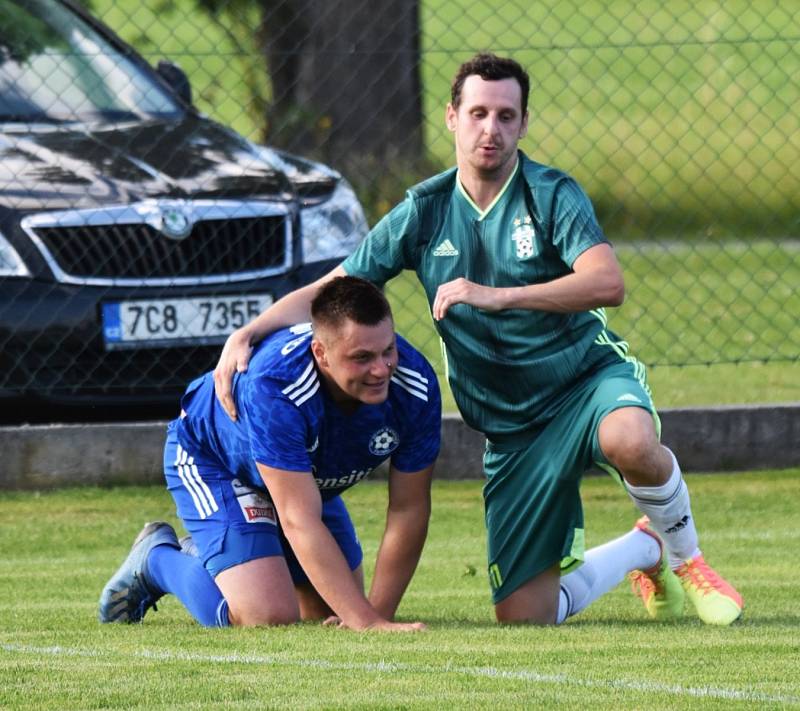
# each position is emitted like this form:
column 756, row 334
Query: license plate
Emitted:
column 203, row 320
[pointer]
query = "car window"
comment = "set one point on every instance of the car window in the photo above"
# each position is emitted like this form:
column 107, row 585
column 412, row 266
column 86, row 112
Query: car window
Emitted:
column 54, row 67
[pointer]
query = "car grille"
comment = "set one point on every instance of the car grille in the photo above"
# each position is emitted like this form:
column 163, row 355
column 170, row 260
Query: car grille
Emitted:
column 139, row 251
column 118, row 246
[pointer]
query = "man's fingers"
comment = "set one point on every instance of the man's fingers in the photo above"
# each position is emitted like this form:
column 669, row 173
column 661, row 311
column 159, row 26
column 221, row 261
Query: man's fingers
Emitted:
column 387, row 626
column 416, row 627
column 449, row 294
column 440, row 303
column 408, row 627
column 228, row 404
column 235, row 358
column 240, row 355
column 223, row 379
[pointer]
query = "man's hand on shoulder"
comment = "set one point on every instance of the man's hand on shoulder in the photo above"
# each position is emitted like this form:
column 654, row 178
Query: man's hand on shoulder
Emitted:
column 234, row 358
column 292, row 308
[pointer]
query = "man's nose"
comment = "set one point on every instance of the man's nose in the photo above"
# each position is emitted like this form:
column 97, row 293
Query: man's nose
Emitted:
column 491, row 124
column 382, row 367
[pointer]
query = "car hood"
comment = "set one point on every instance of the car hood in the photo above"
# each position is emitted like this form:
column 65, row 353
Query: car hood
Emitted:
column 79, row 166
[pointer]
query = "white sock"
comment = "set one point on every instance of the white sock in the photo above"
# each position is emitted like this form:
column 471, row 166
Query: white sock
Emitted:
column 604, row 568
column 670, row 513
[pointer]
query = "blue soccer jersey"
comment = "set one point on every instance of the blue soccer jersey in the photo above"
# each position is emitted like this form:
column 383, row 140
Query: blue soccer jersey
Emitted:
column 288, row 421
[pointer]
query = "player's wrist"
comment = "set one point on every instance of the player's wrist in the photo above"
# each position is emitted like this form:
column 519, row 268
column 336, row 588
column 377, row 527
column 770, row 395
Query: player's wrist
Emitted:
column 246, row 335
column 385, row 608
column 507, row 297
column 363, row 619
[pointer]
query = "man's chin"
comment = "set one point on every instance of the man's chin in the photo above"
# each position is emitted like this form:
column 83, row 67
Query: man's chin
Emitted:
column 374, row 396
column 491, row 166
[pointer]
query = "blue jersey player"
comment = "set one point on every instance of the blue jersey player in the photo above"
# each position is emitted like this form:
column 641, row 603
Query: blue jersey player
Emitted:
column 320, row 407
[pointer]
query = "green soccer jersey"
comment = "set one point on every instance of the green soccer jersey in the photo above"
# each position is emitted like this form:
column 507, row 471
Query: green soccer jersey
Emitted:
column 509, row 370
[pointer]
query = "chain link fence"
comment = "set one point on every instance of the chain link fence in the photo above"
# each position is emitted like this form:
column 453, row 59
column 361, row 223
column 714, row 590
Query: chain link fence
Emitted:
column 679, row 120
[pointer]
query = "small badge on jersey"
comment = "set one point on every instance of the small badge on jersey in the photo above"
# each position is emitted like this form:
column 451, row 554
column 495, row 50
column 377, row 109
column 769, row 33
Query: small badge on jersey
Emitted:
column 384, row 442
column 256, row 508
column 525, row 237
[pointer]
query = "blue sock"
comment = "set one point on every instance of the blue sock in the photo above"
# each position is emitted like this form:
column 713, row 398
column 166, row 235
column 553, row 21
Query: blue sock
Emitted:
column 185, row 577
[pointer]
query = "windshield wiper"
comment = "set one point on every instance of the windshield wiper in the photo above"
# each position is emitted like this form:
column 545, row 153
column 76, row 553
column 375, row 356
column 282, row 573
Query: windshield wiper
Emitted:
column 34, row 118
column 112, row 115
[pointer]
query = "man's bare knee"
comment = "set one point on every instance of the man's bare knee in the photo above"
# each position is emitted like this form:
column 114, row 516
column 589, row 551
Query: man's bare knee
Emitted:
column 266, row 617
column 505, row 617
column 631, row 453
column 629, row 441
column 534, row 602
column 259, row 592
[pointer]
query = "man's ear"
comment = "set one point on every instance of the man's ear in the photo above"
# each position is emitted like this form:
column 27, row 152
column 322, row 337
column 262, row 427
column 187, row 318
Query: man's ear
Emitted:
column 318, row 350
column 450, row 117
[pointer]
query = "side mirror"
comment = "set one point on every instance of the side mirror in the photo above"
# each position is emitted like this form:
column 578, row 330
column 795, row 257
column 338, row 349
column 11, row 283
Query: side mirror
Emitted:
column 176, row 79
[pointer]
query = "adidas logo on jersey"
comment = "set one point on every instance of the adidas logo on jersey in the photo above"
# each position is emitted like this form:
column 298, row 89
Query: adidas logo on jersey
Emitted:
column 445, row 249
column 628, row 397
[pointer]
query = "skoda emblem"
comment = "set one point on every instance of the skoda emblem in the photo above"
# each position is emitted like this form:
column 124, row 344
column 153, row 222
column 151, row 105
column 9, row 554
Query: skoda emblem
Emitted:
column 174, row 223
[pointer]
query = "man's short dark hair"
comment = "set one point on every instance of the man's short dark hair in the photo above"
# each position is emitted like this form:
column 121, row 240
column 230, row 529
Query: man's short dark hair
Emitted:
column 490, row 67
column 350, row 298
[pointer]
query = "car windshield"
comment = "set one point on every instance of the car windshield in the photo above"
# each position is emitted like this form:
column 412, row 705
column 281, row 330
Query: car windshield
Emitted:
column 56, row 68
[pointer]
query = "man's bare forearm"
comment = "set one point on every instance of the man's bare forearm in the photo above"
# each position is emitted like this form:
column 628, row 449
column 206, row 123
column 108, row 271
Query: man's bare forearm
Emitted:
column 327, row 569
column 398, row 556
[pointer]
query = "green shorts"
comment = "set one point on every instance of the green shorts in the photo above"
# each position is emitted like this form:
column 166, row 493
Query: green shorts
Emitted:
column 534, row 517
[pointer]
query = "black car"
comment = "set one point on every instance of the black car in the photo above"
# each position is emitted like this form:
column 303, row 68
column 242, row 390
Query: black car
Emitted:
column 135, row 232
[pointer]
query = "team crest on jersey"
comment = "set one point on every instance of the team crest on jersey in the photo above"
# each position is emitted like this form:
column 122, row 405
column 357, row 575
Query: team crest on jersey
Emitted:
column 383, row 442
column 524, row 236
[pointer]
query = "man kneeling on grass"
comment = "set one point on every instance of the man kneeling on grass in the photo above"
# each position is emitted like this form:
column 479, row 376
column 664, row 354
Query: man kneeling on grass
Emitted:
column 319, row 408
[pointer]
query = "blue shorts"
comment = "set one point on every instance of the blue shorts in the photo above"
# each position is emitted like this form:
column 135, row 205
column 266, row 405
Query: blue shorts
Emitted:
column 231, row 522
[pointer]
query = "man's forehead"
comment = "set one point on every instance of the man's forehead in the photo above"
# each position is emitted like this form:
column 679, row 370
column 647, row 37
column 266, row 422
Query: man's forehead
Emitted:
column 479, row 91
column 354, row 336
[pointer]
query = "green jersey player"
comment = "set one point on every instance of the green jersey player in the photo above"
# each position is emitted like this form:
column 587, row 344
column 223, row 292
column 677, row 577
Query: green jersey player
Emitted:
column 517, row 273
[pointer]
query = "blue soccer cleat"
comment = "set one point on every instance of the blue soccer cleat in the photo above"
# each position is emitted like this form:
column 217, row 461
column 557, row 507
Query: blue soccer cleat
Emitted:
column 130, row 594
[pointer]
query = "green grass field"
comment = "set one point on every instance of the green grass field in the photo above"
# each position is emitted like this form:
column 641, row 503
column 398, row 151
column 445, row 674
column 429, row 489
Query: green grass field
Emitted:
column 57, row 550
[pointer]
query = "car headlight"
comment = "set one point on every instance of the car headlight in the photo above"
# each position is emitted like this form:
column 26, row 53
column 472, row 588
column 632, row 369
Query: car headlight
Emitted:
column 333, row 228
column 10, row 262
